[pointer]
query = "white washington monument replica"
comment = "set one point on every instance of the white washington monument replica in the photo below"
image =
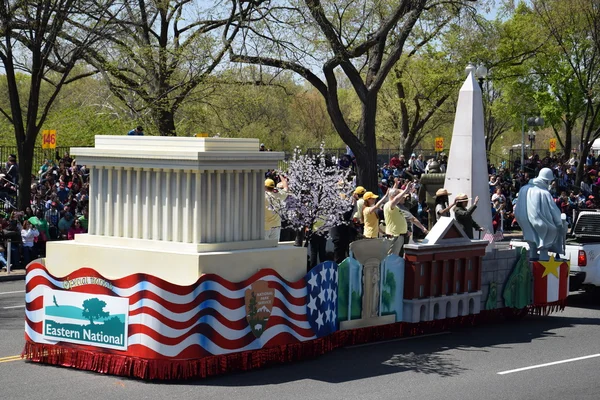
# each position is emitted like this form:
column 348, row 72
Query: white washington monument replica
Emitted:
column 467, row 170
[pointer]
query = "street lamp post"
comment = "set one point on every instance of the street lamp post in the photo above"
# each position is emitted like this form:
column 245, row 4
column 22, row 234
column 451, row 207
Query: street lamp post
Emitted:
column 531, row 134
column 531, row 122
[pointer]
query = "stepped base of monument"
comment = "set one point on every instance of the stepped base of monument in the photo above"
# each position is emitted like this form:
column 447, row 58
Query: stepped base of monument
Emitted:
column 175, row 266
column 94, row 359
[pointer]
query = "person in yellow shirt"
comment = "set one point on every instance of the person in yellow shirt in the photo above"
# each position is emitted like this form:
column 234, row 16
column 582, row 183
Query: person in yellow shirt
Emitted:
column 396, row 219
column 274, row 201
column 371, row 228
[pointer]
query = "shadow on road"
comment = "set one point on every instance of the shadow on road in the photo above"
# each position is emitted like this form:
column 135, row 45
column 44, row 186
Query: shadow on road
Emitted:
column 589, row 300
column 425, row 355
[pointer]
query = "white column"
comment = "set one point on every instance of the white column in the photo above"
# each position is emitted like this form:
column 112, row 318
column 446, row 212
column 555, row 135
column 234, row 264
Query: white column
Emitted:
column 128, row 220
column 147, row 225
column 247, row 216
column 157, row 207
column 177, row 208
column 260, row 226
column 108, row 210
column 137, row 206
column 92, row 193
column 187, row 215
column 228, row 210
column 167, row 220
column 209, row 232
column 118, row 221
column 218, row 207
column 253, row 205
column 236, row 226
column 197, row 204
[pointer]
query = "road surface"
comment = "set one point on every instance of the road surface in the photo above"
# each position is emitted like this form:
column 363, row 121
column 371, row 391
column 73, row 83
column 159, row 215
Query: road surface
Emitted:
column 554, row 357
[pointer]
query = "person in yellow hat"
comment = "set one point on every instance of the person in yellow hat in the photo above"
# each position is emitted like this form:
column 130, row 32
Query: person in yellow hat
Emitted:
column 358, row 194
column 464, row 216
column 371, row 228
column 274, row 202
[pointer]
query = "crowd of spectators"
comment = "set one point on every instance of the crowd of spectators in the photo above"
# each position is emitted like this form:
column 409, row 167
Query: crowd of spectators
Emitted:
column 59, row 195
column 57, row 211
column 506, row 180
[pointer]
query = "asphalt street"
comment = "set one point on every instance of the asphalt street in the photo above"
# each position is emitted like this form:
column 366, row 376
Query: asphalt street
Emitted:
column 553, row 357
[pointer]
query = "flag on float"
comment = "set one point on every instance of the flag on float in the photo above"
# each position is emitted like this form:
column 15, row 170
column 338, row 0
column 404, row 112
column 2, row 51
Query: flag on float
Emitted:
column 322, row 285
column 209, row 317
column 550, row 281
column 493, row 237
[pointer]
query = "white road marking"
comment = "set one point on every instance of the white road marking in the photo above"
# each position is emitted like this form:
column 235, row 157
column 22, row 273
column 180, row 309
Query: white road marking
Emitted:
column 397, row 340
column 16, row 291
column 6, row 308
column 549, row 364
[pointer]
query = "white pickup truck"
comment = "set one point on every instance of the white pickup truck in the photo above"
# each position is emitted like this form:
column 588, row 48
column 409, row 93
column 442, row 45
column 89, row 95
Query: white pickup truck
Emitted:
column 582, row 249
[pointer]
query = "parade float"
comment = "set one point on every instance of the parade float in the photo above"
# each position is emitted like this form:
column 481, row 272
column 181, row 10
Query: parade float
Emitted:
column 175, row 281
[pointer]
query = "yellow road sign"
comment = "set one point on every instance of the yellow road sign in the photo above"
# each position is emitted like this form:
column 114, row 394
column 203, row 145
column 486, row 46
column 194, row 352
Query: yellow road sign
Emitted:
column 49, row 139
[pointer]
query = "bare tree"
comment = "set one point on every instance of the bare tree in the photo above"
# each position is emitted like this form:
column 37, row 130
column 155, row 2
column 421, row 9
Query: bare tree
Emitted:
column 34, row 46
column 164, row 50
column 361, row 39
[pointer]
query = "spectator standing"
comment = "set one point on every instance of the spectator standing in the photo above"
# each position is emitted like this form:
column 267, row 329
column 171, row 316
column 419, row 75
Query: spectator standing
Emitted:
column 62, row 192
column 64, row 224
column 75, row 229
column 83, row 219
column 28, row 235
column 43, row 228
column 138, row 131
column 12, row 169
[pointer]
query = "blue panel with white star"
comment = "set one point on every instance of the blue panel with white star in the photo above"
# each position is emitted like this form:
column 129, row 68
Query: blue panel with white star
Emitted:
column 322, row 298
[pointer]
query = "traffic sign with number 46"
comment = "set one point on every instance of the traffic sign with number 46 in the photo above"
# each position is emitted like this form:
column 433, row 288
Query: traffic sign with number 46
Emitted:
column 49, row 139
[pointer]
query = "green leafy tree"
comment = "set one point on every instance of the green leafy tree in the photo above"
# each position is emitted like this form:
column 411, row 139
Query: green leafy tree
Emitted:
column 42, row 43
column 94, row 309
column 574, row 28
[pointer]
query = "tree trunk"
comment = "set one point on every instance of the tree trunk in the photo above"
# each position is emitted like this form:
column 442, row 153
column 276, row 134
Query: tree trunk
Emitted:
column 165, row 120
column 582, row 157
column 366, row 155
column 25, row 161
column 568, row 138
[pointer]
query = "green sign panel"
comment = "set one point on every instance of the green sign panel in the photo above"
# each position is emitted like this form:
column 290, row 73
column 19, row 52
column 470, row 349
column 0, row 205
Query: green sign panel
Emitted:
column 83, row 318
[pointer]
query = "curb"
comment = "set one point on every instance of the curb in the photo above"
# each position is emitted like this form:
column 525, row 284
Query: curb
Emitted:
column 18, row 276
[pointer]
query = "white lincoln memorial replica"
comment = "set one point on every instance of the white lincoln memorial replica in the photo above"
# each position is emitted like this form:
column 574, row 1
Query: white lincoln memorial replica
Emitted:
column 176, row 208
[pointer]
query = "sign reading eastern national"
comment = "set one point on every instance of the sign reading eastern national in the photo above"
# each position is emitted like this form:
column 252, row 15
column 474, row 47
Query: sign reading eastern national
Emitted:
column 83, row 318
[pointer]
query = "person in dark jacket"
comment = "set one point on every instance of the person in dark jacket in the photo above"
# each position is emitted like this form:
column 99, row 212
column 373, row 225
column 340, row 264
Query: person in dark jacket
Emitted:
column 464, row 215
column 341, row 235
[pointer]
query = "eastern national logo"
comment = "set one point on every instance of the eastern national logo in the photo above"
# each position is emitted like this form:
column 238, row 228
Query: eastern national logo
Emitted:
column 89, row 319
column 259, row 303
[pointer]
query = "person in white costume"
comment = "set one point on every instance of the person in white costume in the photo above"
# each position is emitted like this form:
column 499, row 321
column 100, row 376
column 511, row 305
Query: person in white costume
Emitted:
column 544, row 228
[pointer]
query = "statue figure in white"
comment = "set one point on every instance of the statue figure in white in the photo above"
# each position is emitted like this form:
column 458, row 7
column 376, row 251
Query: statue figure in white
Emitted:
column 544, row 228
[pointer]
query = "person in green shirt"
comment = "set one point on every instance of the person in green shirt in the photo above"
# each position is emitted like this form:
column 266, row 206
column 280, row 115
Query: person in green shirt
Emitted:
column 83, row 219
column 42, row 226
